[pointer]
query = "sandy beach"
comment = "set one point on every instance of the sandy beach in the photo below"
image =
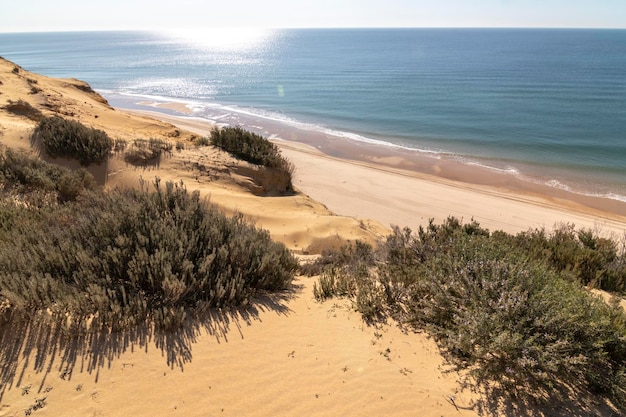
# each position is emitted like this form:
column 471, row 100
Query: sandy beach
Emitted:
column 394, row 187
column 287, row 354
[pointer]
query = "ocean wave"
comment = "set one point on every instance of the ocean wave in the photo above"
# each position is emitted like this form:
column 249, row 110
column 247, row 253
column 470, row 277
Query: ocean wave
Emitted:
column 559, row 185
column 191, row 104
column 232, row 115
column 233, row 111
column 506, row 170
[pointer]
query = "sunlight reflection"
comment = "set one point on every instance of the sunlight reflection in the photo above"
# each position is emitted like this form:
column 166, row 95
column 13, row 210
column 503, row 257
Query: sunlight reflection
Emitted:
column 232, row 39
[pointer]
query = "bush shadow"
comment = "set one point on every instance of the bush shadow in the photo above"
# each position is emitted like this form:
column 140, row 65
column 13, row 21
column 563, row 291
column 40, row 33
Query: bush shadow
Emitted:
column 563, row 402
column 47, row 347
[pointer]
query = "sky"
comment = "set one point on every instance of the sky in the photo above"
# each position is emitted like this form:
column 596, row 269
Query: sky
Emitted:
column 70, row 15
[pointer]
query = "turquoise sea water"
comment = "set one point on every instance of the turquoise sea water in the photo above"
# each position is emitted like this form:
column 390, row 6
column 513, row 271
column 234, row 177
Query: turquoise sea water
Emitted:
column 545, row 105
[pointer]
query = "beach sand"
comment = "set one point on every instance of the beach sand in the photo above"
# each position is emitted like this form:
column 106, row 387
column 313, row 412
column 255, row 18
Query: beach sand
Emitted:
column 393, row 188
column 288, row 354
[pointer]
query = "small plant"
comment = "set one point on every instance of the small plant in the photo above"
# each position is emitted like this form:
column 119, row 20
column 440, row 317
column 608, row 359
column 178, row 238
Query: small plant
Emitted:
column 24, row 108
column 143, row 151
column 325, row 287
column 26, row 389
column 119, row 145
column 33, row 87
column 71, row 139
column 202, row 141
column 39, row 403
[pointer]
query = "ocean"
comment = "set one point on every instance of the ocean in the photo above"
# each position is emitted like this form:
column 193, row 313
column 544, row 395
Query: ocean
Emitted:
column 544, row 105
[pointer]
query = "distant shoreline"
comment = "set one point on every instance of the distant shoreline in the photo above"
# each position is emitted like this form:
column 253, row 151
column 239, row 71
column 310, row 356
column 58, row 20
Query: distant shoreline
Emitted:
column 538, row 105
column 428, row 187
column 412, row 160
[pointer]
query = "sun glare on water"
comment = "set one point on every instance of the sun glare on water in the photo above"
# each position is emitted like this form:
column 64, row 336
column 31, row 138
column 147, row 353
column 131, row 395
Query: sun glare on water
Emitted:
column 231, row 39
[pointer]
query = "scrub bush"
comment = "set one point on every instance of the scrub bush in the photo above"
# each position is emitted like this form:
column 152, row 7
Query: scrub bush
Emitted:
column 125, row 257
column 24, row 108
column 508, row 309
column 257, row 150
column 71, row 139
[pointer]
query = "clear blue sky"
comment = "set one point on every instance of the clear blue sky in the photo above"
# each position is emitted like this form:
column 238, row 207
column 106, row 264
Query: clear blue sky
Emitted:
column 44, row 15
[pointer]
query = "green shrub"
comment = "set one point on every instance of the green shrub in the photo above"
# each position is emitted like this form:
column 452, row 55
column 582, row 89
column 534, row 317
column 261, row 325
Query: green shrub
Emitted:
column 355, row 258
column 515, row 322
column 513, row 319
column 23, row 173
column 202, row 141
column 255, row 149
column 67, row 138
column 326, row 286
column 127, row 257
column 580, row 255
column 119, row 145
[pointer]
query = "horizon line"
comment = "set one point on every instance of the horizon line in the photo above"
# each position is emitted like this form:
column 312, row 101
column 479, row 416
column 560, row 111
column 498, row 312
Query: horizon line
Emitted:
column 311, row 28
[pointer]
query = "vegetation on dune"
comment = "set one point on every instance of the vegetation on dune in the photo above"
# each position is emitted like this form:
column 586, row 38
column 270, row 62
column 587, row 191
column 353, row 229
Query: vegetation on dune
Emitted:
column 142, row 151
column 124, row 257
column 32, row 179
column 257, row 150
column 67, row 138
column 513, row 310
column 509, row 309
column 24, row 108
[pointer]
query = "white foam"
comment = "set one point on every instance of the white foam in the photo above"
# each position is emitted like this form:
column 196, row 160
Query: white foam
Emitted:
column 559, row 185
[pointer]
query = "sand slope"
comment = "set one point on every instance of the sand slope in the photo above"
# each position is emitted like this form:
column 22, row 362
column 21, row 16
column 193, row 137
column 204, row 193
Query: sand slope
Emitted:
column 287, row 356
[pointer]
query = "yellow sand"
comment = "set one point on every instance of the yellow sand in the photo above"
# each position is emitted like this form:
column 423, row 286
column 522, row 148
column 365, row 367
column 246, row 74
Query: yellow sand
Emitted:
column 289, row 355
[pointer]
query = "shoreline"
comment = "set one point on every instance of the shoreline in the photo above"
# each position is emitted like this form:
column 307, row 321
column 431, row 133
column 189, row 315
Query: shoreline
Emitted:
column 595, row 192
column 403, row 188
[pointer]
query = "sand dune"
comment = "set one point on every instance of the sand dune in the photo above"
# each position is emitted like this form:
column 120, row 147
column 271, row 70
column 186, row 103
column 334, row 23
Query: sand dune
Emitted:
column 288, row 354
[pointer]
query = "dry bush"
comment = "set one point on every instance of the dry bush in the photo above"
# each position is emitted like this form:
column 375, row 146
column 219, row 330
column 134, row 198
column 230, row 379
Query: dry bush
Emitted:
column 24, row 108
column 143, row 151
